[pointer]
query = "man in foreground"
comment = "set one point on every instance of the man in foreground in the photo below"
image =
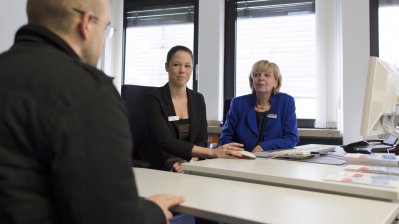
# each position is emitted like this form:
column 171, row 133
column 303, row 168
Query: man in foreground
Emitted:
column 64, row 137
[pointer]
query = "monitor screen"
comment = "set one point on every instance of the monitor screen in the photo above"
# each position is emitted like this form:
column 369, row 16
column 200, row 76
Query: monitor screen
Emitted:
column 380, row 99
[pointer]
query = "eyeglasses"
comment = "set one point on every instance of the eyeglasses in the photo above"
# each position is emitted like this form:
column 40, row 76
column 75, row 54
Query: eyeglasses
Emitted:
column 109, row 30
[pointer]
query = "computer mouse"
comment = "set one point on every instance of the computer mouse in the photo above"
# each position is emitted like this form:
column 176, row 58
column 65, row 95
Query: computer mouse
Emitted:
column 246, row 155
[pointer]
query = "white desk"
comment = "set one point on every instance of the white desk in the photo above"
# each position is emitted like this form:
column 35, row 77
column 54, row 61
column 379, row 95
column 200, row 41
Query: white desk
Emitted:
column 293, row 174
column 241, row 202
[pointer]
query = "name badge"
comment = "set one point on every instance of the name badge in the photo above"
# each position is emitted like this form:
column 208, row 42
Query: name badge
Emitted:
column 274, row 116
column 173, row 118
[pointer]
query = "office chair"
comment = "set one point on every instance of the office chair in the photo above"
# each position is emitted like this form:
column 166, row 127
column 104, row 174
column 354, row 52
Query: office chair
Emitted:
column 226, row 108
column 134, row 97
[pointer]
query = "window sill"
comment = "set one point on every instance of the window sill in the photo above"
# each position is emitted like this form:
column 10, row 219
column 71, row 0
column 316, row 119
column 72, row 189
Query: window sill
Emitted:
column 303, row 132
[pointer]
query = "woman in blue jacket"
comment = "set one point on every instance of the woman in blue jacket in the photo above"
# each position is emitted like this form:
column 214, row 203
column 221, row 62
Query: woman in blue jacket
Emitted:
column 265, row 119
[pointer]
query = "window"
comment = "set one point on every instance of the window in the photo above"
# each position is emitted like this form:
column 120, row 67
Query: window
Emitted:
column 150, row 32
column 388, row 33
column 281, row 31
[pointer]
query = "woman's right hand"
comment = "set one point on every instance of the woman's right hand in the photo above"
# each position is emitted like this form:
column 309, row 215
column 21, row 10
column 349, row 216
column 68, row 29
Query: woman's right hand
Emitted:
column 229, row 150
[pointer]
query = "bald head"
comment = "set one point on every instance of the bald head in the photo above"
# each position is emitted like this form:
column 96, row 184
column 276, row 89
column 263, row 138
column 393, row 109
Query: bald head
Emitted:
column 80, row 23
column 58, row 15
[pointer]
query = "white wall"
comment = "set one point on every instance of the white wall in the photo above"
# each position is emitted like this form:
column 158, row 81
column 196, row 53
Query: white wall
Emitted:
column 210, row 56
column 12, row 16
column 112, row 55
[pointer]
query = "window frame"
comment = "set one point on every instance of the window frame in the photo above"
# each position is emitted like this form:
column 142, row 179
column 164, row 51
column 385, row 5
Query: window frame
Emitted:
column 230, row 48
column 130, row 5
column 374, row 6
column 374, row 40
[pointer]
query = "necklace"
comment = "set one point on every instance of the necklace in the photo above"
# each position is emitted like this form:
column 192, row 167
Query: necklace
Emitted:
column 263, row 107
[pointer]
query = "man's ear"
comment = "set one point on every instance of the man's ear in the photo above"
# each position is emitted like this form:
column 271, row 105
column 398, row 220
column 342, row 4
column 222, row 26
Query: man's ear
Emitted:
column 85, row 25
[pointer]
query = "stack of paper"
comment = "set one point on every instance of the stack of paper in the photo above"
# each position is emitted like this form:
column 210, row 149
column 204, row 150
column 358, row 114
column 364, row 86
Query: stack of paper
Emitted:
column 369, row 169
column 387, row 170
column 372, row 159
column 380, row 180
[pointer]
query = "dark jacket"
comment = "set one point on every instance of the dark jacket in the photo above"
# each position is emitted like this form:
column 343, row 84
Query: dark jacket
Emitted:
column 65, row 145
column 164, row 134
column 280, row 131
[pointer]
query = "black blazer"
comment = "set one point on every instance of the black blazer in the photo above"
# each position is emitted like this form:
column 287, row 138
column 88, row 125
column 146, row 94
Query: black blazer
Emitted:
column 65, row 143
column 164, row 134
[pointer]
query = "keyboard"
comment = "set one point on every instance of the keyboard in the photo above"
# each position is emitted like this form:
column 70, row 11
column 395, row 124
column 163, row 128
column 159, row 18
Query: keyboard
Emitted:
column 298, row 152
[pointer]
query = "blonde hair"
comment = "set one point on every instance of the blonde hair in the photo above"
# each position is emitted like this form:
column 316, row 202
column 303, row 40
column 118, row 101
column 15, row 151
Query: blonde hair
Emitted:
column 264, row 66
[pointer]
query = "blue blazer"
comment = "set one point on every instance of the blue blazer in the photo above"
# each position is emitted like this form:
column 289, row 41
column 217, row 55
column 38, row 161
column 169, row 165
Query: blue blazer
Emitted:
column 280, row 130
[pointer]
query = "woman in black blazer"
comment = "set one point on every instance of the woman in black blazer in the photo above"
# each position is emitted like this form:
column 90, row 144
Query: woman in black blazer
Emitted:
column 177, row 119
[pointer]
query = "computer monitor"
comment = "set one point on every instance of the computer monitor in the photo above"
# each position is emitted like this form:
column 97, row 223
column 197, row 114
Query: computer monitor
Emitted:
column 380, row 99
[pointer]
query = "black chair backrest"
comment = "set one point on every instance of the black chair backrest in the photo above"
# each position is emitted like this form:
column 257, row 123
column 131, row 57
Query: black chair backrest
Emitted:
column 134, row 97
column 226, row 108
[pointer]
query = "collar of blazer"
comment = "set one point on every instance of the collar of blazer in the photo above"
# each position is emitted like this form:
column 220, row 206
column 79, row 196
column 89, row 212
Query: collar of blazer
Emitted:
column 251, row 115
column 170, row 109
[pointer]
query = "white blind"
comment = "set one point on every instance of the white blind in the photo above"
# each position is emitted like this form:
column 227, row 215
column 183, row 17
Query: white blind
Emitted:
column 285, row 35
column 149, row 36
column 388, row 25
